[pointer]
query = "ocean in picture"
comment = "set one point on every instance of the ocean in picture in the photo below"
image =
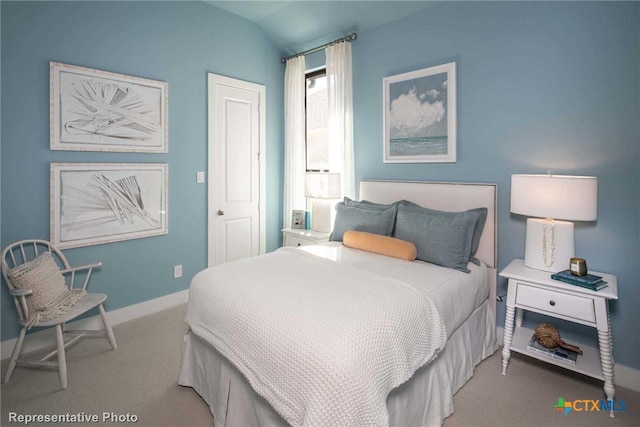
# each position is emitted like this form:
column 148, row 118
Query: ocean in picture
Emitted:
column 420, row 145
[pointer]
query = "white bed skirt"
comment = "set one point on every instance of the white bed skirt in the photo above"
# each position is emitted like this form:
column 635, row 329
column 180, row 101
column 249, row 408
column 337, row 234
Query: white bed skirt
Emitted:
column 233, row 402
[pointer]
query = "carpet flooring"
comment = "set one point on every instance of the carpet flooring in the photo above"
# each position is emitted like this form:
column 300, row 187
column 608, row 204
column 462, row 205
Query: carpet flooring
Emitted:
column 139, row 381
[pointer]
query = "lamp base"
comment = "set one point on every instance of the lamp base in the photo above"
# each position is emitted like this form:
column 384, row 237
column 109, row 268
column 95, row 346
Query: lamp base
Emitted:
column 321, row 215
column 550, row 244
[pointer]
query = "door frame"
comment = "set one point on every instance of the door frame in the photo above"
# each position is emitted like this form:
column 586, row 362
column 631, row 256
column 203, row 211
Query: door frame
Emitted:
column 213, row 80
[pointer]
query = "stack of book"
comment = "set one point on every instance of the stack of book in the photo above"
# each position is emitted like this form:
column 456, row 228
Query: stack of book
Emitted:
column 590, row 281
column 558, row 353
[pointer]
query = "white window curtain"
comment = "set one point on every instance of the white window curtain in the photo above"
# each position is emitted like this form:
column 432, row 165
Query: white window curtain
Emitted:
column 294, row 137
column 340, row 88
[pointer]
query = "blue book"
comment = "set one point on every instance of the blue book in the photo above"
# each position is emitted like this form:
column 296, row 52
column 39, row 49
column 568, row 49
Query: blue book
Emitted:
column 593, row 286
column 589, row 279
column 307, row 219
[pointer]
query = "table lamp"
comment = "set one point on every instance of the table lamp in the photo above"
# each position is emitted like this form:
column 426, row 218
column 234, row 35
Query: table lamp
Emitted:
column 550, row 243
column 321, row 187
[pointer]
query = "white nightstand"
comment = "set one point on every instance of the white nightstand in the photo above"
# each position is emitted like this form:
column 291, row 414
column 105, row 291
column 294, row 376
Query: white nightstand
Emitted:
column 295, row 237
column 534, row 290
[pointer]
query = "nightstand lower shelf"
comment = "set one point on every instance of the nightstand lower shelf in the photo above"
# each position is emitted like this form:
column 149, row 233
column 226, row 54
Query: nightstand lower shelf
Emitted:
column 587, row 363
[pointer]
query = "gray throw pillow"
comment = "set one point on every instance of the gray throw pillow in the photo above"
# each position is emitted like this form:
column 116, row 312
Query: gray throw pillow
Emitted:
column 371, row 219
column 442, row 238
column 477, row 231
column 367, row 203
column 372, row 205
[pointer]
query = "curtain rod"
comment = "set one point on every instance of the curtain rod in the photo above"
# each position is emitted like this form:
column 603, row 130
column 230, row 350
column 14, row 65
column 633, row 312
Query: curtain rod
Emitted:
column 348, row 38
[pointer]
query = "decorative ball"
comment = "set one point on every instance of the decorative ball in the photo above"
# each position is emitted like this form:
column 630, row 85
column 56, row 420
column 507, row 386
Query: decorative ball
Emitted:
column 548, row 336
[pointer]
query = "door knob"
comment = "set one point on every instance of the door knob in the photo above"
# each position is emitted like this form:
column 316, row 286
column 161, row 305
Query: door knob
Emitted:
column 220, row 212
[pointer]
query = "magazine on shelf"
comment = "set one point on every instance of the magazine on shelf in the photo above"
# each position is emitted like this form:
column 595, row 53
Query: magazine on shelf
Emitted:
column 558, row 353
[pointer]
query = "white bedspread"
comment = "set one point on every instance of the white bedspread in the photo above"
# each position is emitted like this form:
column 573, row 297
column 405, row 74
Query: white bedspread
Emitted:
column 324, row 343
column 456, row 294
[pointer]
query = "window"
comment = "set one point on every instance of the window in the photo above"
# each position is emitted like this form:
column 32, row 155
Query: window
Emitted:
column 317, row 121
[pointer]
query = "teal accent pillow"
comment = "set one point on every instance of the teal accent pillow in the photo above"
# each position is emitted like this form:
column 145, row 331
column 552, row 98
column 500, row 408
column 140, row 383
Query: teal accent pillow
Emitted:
column 477, row 231
column 442, row 238
column 363, row 217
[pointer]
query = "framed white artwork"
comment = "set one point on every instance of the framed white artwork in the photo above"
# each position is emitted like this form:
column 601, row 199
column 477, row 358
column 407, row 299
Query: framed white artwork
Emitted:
column 93, row 110
column 95, row 203
column 420, row 116
column 298, row 219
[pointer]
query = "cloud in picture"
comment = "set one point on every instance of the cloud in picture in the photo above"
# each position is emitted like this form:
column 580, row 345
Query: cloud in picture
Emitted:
column 416, row 118
column 412, row 114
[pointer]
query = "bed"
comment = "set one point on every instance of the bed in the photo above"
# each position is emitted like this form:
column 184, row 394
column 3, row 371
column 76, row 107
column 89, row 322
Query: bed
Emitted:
column 269, row 349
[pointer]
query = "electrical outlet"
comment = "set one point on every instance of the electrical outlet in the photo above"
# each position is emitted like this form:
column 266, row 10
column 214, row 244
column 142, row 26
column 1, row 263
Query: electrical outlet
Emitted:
column 177, row 271
column 200, row 177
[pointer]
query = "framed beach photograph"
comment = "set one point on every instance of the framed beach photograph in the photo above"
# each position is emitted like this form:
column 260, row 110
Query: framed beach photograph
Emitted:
column 420, row 116
column 95, row 203
column 93, row 110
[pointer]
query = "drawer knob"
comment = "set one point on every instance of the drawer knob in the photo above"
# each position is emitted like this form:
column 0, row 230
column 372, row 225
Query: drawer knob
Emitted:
column 552, row 303
column 299, row 244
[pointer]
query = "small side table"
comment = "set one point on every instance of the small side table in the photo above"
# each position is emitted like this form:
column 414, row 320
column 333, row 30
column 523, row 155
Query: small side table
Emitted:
column 534, row 290
column 298, row 237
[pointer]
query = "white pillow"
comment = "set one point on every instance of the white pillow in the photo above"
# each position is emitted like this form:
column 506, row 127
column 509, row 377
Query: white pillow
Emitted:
column 45, row 280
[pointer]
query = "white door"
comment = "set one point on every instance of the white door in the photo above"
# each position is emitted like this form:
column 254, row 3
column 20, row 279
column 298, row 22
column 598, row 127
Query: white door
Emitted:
column 236, row 173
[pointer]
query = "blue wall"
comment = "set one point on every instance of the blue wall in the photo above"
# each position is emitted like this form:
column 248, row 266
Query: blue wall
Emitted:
column 175, row 42
column 541, row 86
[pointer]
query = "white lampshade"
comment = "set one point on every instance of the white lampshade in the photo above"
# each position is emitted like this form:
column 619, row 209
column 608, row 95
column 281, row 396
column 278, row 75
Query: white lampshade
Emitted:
column 322, row 185
column 567, row 197
column 550, row 244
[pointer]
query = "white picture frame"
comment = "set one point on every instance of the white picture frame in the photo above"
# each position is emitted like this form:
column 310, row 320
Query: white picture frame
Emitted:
column 419, row 109
column 298, row 220
column 96, row 203
column 93, row 110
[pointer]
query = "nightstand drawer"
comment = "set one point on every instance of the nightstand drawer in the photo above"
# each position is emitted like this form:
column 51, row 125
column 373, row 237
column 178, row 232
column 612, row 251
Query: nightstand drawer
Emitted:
column 298, row 241
column 565, row 305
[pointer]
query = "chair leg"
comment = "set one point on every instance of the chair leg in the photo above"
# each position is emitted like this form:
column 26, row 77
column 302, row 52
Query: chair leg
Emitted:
column 62, row 360
column 107, row 327
column 16, row 353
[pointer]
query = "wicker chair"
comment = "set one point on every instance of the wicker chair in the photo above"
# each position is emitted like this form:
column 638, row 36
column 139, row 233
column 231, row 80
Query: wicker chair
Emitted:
column 43, row 288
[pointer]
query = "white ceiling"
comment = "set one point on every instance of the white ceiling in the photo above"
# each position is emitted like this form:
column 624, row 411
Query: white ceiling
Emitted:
column 297, row 25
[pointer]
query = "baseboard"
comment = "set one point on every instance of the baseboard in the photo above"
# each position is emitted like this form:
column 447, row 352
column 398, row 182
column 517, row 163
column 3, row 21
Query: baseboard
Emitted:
column 46, row 337
column 624, row 376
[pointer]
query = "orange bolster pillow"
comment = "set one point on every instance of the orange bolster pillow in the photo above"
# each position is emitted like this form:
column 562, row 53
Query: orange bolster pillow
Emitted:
column 383, row 245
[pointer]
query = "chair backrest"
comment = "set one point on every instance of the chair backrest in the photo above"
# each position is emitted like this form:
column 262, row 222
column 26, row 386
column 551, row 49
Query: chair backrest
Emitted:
column 24, row 251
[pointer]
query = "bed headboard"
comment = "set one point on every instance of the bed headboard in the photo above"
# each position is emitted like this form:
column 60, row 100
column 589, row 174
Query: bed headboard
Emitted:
column 446, row 196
